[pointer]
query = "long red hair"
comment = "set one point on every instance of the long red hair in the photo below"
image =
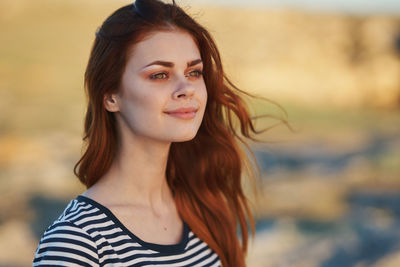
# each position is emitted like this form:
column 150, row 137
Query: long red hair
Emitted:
column 204, row 173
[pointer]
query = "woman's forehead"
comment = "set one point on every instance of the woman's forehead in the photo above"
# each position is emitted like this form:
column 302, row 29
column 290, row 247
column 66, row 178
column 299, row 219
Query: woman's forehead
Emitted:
column 173, row 46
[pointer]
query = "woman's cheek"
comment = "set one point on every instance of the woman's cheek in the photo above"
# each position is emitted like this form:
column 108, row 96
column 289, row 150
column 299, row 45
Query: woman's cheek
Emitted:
column 204, row 96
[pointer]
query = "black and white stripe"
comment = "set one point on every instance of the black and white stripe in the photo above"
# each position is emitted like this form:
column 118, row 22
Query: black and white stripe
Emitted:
column 88, row 234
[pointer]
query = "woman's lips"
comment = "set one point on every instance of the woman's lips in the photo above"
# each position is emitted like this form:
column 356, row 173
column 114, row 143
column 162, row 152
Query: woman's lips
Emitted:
column 183, row 113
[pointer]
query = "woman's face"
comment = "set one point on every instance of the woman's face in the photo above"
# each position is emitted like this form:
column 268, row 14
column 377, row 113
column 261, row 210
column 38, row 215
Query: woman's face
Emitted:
column 163, row 94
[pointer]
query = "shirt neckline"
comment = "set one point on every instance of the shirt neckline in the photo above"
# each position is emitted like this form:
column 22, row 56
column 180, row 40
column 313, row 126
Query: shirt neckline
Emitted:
column 173, row 248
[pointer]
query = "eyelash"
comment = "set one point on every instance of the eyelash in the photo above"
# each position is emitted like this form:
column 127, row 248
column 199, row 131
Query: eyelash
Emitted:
column 198, row 72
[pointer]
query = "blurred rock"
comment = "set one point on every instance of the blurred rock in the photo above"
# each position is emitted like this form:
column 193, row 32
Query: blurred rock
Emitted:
column 17, row 244
column 392, row 260
column 303, row 197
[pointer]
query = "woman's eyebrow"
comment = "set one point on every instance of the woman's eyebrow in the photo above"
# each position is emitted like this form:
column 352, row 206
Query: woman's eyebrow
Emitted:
column 194, row 62
column 161, row 63
column 171, row 64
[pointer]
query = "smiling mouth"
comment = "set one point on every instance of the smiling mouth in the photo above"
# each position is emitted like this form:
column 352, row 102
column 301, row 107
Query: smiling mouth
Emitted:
column 183, row 113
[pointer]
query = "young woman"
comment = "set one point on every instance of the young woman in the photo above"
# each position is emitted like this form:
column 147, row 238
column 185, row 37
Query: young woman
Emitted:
column 163, row 163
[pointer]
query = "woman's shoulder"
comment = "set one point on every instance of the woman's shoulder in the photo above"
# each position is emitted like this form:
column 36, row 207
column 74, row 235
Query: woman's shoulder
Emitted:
column 67, row 240
column 76, row 210
column 80, row 213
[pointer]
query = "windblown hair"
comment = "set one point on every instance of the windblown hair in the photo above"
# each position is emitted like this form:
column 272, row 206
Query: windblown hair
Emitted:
column 205, row 173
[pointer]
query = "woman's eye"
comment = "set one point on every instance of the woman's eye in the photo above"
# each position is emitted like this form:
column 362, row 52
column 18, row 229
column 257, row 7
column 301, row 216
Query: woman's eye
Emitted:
column 195, row 73
column 159, row 76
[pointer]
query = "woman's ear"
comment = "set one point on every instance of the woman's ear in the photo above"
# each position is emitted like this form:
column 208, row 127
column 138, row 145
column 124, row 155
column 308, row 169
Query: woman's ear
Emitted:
column 110, row 102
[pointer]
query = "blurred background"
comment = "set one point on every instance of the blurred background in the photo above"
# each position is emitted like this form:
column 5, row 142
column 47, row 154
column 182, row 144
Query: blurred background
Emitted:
column 330, row 188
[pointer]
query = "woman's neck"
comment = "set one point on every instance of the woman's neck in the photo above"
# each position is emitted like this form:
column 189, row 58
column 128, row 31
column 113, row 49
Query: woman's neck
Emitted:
column 136, row 177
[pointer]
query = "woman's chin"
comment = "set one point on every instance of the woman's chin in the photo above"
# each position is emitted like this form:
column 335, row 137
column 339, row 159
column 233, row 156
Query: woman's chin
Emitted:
column 183, row 138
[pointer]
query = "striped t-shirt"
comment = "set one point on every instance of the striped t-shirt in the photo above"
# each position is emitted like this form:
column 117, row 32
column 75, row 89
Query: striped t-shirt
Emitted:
column 88, row 234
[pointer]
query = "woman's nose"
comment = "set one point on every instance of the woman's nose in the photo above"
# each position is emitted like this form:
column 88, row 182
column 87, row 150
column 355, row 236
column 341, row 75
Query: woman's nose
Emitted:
column 184, row 89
